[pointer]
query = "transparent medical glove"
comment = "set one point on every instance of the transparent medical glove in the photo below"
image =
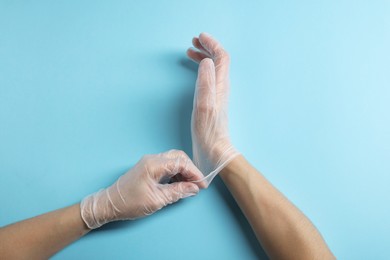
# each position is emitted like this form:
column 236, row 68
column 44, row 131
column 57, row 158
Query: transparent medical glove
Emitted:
column 211, row 145
column 144, row 189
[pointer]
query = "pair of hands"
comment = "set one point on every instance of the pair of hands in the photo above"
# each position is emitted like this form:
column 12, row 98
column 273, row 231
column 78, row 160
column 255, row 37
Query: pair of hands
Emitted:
column 162, row 179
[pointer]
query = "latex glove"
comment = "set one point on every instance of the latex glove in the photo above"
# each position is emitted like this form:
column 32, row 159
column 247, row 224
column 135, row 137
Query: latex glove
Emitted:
column 144, row 189
column 212, row 148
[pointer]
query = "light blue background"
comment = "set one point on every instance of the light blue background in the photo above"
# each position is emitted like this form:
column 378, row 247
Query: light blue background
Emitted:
column 88, row 87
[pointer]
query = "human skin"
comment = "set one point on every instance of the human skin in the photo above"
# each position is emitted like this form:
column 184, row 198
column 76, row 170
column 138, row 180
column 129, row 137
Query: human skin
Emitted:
column 144, row 190
column 281, row 228
column 42, row 236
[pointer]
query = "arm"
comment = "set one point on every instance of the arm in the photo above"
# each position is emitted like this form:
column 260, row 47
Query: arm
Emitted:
column 283, row 231
column 150, row 185
column 42, row 236
column 281, row 228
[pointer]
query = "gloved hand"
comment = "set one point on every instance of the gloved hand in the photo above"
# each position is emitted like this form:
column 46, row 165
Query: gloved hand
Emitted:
column 212, row 148
column 144, row 189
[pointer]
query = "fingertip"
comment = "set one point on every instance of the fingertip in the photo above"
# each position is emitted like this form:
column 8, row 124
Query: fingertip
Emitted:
column 190, row 187
column 203, row 185
column 190, row 51
column 206, row 68
column 207, row 62
column 181, row 190
column 207, row 41
column 204, row 35
column 195, row 55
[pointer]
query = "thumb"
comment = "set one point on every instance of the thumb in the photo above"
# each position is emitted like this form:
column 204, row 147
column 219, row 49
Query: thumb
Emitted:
column 205, row 97
column 179, row 190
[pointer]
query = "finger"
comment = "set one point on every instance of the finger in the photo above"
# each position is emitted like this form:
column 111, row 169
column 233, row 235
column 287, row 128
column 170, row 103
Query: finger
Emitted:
column 220, row 57
column 177, row 162
column 198, row 45
column 195, row 55
column 178, row 190
column 201, row 183
column 210, row 45
column 205, row 92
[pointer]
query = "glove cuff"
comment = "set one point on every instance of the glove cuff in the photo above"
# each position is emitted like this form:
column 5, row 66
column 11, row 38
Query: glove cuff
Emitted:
column 90, row 206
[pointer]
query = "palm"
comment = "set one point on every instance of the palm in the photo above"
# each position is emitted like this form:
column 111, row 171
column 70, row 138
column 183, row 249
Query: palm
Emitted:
column 210, row 136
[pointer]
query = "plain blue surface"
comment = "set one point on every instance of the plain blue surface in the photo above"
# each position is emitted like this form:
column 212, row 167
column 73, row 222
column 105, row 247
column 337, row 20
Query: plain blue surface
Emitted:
column 88, row 87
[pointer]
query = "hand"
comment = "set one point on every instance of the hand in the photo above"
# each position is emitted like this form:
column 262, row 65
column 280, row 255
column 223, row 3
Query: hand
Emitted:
column 212, row 148
column 144, row 189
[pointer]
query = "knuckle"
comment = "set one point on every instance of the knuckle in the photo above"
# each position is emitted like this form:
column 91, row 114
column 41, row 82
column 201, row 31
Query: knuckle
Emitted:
column 205, row 108
column 173, row 151
column 181, row 154
column 177, row 153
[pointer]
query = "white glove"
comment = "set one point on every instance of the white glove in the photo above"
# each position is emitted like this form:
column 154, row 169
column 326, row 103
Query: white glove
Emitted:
column 211, row 145
column 144, row 189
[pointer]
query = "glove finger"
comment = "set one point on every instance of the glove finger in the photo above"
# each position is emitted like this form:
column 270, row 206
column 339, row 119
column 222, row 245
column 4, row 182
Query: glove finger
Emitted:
column 176, row 162
column 178, row 190
column 205, row 92
column 198, row 45
column 196, row 55
column 221, row 59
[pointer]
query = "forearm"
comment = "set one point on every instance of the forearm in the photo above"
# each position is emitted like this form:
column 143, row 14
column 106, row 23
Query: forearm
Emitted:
column 42, row 236
column 282, row 229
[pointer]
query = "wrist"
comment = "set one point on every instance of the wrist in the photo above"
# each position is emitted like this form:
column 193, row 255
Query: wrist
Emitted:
column 235, row 167
column 95, row 209
column 223, row 151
